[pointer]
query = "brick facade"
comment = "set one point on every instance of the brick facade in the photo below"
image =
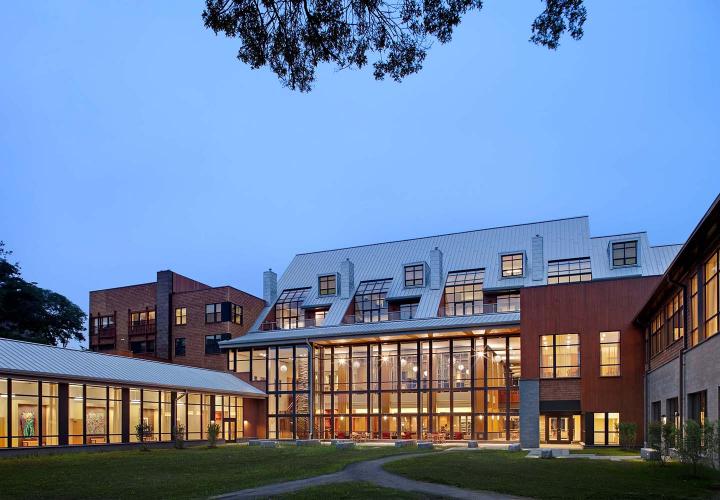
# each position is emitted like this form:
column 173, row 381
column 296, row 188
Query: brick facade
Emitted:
column 171, row 291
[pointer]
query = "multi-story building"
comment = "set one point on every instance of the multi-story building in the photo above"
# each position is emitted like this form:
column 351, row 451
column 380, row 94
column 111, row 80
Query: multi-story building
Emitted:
column 513, row 333
column 173, row 319
column 680, row 321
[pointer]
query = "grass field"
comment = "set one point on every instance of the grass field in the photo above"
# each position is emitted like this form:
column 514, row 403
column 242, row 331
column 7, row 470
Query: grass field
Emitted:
column 353, row 490
column 606, row 452
column 190, row 473
column 558, row 478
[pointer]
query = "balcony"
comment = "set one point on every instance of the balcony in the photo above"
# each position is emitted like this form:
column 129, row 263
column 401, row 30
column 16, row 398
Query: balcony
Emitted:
column 103, row 335
column 478, row 309
column 292, row 324
column 142, row 329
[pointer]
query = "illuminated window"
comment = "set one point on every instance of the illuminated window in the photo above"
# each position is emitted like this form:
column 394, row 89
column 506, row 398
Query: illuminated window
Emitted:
column 624, row 253
column 287, row 308
column 569, row 271
column 464, row 293
column 142, row 318
column 560, row 356
column 609, row 354
column 512, row 265
column 327, row 284
column 711, row 295
column 181, row 316
column 509, row 302
column 213, row 313
column 370, row 303
column 606, row 429
column 237, row 314
column 414, row 275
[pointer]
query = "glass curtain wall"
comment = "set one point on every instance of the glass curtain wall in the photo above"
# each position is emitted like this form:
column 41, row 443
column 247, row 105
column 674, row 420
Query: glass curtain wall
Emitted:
column 462, row 388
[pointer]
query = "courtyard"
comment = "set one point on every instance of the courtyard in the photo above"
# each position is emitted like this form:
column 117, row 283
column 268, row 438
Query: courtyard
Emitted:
column 361, row 472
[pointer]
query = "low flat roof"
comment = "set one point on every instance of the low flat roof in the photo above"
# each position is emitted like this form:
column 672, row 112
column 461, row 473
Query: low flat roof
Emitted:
column 38, row 360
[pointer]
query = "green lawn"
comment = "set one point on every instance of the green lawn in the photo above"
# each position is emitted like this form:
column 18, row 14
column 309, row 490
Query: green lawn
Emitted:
column 558, row 478
column 606, row 452
column 354, row 490
column 190, row 473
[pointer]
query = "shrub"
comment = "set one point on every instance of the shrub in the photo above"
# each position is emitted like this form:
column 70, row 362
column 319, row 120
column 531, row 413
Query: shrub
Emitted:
column 691, row 445
column 178, row 435
column 668, row 440
column 213, row 431
column 628, row 435
column 143, row 431
column 711, row 441
column 655, row 437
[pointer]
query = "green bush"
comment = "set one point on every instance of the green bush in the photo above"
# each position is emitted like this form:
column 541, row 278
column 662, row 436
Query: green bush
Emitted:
column 143, row 431
column 668, row 440
column 628, row 435
column 691, row 445
column 213, row 431
column 178, row 435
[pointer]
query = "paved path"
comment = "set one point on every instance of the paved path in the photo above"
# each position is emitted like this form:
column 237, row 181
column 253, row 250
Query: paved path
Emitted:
column 369, row 471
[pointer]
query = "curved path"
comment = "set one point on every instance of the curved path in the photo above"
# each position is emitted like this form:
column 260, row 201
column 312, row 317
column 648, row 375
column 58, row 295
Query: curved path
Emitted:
column 369, row 471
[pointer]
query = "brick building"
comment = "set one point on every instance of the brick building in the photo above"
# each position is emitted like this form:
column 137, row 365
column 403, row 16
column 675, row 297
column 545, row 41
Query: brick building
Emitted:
column 173, row 319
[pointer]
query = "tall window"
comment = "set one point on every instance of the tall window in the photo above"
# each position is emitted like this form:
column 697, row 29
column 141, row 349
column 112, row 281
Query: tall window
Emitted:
column 213, row 313
column 212, row 342
column 180, row 347
column 512, row 265
column 711, row 296
column 694, row 311
column 414, row 275
column 606, row 429
column 609, row 354
column 569, row 271
column 697, row 406
column 287, row 308
column 370, row 303
column 560, row 356
column 624, row 253
column 667, row 326
column 237, row 314
column 327, row 284
column 464, row 293
column 181, row 316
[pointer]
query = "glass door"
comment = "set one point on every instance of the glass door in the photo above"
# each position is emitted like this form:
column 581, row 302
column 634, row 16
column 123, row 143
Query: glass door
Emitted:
column 230, row 430
column 559, row 429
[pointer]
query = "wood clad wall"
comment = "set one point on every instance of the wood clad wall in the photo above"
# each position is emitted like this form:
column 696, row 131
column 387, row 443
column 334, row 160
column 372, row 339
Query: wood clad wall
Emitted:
column 588, row 309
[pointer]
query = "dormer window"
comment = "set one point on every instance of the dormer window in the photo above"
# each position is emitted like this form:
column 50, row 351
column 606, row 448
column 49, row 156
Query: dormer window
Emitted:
column 327, row 285
column 414, row 275
column 512, row 265
column 624, row 253
column 370, row 303
column 464, row 293
column 287, row 309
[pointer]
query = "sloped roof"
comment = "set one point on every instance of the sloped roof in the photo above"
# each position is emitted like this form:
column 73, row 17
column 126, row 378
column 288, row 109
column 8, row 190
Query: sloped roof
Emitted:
column 28, row 359
column 561, row 239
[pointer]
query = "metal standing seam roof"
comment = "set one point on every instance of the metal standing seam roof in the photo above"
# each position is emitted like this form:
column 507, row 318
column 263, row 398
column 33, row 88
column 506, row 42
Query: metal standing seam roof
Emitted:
column 377, row 328
column 562, row 239
column 29, row 359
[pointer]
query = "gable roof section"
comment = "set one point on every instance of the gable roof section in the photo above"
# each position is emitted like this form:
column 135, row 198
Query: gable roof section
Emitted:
column 37, row 360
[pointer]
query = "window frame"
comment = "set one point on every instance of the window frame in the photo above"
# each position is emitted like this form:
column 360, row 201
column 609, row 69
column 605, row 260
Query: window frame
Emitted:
column 413, row 268
column 555, row 366
column 182, row 316
column 457, row 285
column 234, row 314
column 184, row 346
column 619, row 353
column 623, row 260
column 289, row 313
column 513, row 257
column 370, row 301
column 583, row 274
column 327, row 289
column 217, row 337
column 216, row 313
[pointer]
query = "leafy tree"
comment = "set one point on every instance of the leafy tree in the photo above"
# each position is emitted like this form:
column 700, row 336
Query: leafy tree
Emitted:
column 28, row 312
column 668, row 440
column 178, row 435
column 143, row 432
column 628, row 435
column 293, row 36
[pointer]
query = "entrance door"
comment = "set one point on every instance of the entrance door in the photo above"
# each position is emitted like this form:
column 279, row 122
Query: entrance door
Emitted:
column 230, row 430
column 559, row 428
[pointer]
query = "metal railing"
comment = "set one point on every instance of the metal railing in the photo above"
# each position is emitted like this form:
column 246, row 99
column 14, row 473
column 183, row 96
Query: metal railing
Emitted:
column 292, row 324
column 142, row 328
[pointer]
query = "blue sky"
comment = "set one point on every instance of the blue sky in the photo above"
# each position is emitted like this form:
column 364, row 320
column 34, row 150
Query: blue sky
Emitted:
column 132, row 140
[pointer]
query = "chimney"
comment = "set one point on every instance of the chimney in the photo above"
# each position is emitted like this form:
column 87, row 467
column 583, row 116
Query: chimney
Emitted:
column 538, row 259
column 269, row 287
column 436, row 271
column 347, row 279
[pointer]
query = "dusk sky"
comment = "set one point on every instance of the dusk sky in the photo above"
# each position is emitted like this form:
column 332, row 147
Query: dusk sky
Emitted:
column 132, row 140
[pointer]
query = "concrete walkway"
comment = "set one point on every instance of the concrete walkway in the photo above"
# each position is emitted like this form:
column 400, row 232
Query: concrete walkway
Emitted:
column 370, row 471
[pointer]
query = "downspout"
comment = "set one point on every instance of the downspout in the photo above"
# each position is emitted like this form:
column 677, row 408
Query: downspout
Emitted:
column 681, row 362
column 311, row 396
